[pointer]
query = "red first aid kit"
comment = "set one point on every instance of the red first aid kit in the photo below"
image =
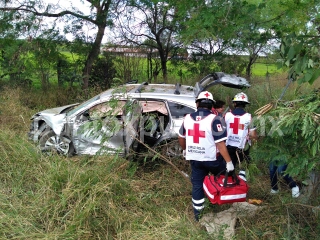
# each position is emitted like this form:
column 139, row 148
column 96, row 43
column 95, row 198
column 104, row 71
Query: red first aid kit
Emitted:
column 221, row 189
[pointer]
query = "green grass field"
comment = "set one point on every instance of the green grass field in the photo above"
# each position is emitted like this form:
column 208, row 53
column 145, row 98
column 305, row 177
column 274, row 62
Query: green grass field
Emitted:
column 106, row 197
column 261, row 69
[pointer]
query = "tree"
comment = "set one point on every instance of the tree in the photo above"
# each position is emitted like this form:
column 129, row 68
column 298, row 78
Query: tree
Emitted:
column 36, row 55
column 44, row 55
column 12, row 61
column 207, row 53
column 299, row 47
column 252, row 36
column 153, row 25
column 229, row 28
column 103, row 72
column 99, row 17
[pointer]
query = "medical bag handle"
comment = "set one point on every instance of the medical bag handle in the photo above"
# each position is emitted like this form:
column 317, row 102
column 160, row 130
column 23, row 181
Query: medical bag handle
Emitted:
column 234, row 178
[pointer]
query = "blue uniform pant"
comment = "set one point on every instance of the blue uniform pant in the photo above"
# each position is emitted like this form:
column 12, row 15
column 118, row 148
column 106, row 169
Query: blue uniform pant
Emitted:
column 276, row 170
column 235, row 152
column 199, row 171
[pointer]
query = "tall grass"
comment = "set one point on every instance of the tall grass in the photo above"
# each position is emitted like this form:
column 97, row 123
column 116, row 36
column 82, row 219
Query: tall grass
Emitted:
column 52, row 197
column 106, row 197
column 87, row 198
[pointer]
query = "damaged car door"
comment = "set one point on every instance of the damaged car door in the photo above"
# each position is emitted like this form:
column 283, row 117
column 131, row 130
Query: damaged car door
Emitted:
column 106, row 127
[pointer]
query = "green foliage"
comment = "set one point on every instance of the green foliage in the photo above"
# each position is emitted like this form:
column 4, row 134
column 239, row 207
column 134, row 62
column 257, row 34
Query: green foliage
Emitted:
column 103, row 72
column 14, row 57
column 68, row 70
column 292, row 134
column 130, row 68
column 202, row 67
column 301, row 55
column 232, row 64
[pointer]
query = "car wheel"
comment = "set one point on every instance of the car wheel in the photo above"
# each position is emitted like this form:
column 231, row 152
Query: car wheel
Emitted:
column 173, row 149
column 170, row 149
column 51, row 142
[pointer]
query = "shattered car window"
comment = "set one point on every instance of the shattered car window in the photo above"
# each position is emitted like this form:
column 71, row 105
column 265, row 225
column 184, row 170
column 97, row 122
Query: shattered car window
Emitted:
column 83, row 105
column 105, row 120
column 178, row 110
column 107, row 109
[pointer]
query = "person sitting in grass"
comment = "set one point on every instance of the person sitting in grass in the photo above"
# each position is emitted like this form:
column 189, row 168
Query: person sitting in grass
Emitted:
column 276, row 168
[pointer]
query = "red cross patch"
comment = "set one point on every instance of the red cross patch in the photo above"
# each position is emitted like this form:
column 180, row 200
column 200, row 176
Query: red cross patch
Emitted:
column 236, row 125
column 196, row 133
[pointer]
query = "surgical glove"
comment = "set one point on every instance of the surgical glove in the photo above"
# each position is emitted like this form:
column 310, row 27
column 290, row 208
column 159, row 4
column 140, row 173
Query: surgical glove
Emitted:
column 230, row 166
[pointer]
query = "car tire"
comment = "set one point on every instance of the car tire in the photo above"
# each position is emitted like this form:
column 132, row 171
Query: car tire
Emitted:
column 52, row 143
column 172, row 149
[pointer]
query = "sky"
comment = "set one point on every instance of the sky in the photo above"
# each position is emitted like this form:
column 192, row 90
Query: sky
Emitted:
column 67, row 4
column 83, row 6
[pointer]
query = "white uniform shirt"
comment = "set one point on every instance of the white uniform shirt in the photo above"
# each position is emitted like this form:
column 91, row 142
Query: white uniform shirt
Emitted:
column 202, row 132
column 237, row 129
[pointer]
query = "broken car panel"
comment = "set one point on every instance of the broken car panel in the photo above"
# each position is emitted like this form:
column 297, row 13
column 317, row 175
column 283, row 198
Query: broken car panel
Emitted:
column 115, row 121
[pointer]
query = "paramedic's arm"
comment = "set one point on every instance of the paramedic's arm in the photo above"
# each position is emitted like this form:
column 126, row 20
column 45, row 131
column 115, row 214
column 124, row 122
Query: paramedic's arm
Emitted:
column 182, row 137
column 220, row 135
column 182, row 142
column 223, row 151
column 253, row 135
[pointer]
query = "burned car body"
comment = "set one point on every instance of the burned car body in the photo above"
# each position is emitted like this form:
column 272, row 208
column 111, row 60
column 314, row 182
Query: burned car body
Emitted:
column 120, row 120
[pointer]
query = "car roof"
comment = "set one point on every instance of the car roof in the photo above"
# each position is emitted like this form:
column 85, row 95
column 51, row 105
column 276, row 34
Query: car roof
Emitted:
column 171, row 92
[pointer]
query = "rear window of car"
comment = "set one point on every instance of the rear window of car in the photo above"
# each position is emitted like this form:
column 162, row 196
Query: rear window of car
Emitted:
column 179, row 110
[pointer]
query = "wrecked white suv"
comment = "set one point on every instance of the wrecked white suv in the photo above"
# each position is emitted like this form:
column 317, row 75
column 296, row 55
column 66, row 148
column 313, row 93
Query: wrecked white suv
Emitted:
column 123, row 120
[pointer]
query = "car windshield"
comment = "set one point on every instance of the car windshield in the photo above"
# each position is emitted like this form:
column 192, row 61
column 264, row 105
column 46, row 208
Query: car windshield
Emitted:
column 83, row 105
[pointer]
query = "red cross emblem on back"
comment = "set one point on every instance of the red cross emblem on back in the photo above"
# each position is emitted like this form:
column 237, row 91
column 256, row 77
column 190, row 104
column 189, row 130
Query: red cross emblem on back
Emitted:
column 236, row 125
column 196, row 133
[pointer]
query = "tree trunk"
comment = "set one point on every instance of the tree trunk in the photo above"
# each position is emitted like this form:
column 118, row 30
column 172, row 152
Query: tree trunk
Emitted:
column 249, row 66
column 92, row 56
column 163, row 63
column 59, row 72
column 164, row 70
column 149, row 68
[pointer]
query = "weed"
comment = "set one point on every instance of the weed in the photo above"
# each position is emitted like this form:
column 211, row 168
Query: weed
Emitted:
column 103, row 197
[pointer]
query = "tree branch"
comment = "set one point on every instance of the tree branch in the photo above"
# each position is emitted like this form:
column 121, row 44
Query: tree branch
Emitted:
column 46, row 14
column 164, row 159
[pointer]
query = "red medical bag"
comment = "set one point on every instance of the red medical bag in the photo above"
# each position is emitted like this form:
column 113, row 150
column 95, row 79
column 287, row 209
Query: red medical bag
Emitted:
column 221, row 190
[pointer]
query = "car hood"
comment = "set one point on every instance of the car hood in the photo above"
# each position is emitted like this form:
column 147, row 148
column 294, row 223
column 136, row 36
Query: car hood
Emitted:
column 54, row 111
column 54, row 117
